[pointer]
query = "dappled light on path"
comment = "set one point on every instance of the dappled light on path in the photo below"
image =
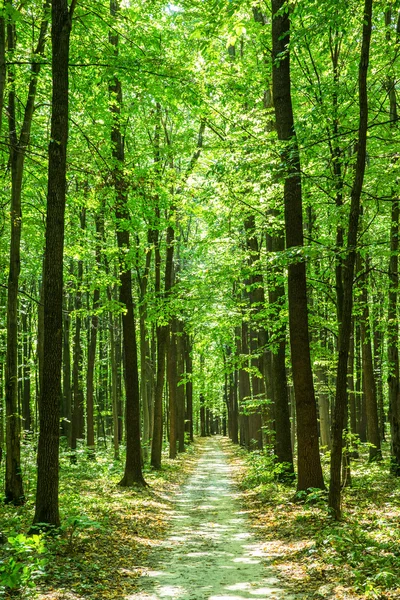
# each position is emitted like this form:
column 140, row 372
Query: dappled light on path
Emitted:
column 210, row 553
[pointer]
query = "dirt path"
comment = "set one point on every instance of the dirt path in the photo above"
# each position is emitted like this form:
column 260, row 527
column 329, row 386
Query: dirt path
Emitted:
column 211, row 553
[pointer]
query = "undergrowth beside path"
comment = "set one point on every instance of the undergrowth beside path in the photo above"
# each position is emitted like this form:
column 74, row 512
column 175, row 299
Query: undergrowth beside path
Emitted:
column 107, row 532
column 358, row 558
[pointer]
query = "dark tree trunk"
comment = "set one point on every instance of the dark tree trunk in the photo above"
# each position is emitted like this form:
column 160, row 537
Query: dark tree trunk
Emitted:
column 180, row 390
column 276, row 299
column 172, row 393
column 244, row 387
column 77, row 363
column 47, row 460
column 371, row 403
column 13, row 480
column 393, row 341
column 162, row 341
column 66, row 411
column 393, row 324
column 348, row 272
column 133, row 464
column 309, row 463
column 189, row 386
column 94, row 325
column 26, row 371
column 203, row 432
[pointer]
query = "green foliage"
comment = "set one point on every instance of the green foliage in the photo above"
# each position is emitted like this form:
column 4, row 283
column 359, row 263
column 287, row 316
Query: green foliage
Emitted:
column 25, row 563
column 263, row 470
column 75, row 524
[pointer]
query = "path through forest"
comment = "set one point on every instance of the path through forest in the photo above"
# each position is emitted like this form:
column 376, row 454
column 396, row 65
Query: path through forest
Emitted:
column 211, row 553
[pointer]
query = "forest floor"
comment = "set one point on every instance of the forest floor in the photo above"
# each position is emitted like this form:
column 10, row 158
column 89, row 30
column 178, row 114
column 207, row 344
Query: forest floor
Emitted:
column 213, row 525
column 210, row 552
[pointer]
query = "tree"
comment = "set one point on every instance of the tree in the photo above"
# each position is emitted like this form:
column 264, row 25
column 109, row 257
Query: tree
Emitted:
column 308, row 461
column 47, row 511
column 18, row 146
column 133, row 466
column 348, row 271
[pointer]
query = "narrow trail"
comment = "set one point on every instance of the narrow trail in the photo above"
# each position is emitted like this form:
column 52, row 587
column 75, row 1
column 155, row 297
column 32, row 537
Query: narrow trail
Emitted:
column 210, row 553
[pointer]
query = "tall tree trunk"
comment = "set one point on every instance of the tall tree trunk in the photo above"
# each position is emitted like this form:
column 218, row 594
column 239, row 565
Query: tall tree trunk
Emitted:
column 348, row 272
column 66, row 412
column 180, row 390
column 47, row 461
column 162, row 333
column 189, row 385
column 26, row 371
column 172, row 392
column 133, row 464
column 94, row 325
column 393, row 324
column 393, row 341
column 308, row 462
column 77, row 362
column 13, row 482
column 276, row 299
column 373, row 436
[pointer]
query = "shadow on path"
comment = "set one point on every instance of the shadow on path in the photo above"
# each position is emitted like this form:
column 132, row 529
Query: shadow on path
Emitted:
column 210, row 553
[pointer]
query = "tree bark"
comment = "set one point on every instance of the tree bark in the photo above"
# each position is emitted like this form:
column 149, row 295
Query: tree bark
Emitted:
column 133, row 464
column 13, row 481
column 47, row 510
column 348, row 272
column 94, row 325
column 276, row 299
column 371, row 404
column 393, row 341
column 309, row 463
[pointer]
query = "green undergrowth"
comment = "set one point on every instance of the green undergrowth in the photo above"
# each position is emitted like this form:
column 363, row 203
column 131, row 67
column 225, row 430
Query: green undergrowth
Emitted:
column 106, row 531
column 356, row 558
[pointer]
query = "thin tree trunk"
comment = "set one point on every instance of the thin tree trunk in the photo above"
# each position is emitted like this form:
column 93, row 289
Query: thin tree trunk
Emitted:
column 348, row 272
column 189, row 385
column 371, row 404
column 172, row 395
column 393, row 341
column 26, row 371
column 276, row 299
column 66, row 413
column 133, row 464
column 94, row 325
column 13, row 481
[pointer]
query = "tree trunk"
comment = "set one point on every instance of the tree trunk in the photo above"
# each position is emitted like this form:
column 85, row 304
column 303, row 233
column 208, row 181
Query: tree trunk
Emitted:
column 276, row 299
column 393, row 341
column 77, row 362
column 49, row 412
column 189, row 386
column 133, row 464
column 348, row 272
column 371, row 404
column 94, row 325
column 26, row 371
column 13, row 480
column 309, row 463
column 180, row 390
column 162, row 333
column 202, row 417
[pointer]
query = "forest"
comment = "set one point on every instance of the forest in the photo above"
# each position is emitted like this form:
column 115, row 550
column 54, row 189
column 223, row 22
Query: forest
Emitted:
column 199, row 280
